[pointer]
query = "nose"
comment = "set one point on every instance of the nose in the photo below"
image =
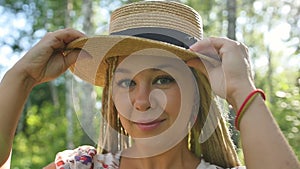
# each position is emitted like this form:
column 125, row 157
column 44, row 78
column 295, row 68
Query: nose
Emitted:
column 140, row 96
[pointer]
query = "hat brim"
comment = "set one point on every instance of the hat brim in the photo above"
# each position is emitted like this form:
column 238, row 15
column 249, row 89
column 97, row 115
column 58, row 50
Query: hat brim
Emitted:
column 91, row 66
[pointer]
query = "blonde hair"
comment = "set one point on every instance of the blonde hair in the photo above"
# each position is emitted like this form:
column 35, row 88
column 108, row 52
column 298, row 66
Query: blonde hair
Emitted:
column 218, row 149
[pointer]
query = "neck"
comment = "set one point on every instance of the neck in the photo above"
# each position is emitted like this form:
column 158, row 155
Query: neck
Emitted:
column 176, row 158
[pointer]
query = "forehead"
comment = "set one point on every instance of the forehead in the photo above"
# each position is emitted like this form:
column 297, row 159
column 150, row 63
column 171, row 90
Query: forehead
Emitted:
column 130, row 70
column 134, row 63
column 138, row 65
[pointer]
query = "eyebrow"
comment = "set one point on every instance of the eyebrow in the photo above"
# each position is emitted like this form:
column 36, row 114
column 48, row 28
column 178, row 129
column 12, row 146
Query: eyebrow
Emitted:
column 158, row 68
column 122, row 70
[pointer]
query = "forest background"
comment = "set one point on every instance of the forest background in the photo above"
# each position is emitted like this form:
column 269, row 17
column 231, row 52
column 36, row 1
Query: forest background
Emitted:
column 56, row 113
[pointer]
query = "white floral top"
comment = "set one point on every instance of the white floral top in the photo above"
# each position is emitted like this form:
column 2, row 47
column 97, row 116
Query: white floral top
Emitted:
column 86, row 157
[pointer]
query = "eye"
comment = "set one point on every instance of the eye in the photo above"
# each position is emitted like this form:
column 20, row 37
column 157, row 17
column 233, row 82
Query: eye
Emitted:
column 126, row 83
column 164, row 80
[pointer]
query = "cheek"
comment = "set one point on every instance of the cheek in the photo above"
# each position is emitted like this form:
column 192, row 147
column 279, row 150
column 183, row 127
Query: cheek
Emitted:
column 173, row 102
column 125, row 123
column 123, row 104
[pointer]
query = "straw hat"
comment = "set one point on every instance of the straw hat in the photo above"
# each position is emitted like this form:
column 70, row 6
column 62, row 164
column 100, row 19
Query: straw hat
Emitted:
column 166, row 26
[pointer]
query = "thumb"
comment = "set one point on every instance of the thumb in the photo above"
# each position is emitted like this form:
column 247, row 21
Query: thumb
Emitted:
column 206, row 48
column 72, row 56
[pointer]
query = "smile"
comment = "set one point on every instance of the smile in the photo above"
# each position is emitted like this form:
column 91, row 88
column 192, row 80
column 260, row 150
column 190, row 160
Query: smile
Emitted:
column 149, row 125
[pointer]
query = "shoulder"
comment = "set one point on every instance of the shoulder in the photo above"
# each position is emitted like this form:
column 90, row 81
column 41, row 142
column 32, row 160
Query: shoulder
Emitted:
column 206, row 165
column 86, row 157
column 109, row 161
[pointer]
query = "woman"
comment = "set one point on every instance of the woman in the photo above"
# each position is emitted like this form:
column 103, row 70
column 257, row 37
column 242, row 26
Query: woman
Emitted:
column 159, row 108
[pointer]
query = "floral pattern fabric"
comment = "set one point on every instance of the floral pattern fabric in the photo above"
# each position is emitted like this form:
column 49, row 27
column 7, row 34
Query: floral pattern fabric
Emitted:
column 86, row 157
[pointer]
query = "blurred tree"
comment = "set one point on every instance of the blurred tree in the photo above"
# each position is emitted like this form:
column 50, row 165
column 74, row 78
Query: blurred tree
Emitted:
column 88, row 100
column 42, row 128
column 68, row 84
column 213, row 13
column 231, row 10
column 231, row 18
column 256, row 20
column 259, row 24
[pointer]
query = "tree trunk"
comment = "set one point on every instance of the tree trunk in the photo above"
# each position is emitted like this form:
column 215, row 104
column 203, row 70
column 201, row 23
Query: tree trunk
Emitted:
column 87, row 12
column 68, row 79
column 231, row 9
column 270, row 74
column 88, row 99
column 54, row 97
column 231, row 18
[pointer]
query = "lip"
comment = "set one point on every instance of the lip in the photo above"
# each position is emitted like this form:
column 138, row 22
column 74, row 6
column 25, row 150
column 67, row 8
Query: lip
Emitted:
column 149, row 125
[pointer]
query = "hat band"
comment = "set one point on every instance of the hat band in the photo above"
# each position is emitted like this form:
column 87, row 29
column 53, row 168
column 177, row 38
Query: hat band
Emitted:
column 160, row 34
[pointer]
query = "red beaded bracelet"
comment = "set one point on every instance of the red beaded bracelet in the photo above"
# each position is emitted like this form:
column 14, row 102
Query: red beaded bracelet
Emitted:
column 246, row 104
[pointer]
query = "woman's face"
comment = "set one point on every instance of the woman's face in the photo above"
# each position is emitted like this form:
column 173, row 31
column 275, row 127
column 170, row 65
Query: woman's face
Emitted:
column 148, row 103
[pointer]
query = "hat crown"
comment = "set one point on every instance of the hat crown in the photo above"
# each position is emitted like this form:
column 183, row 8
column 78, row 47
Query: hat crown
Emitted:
column 167, row 26
column 157, row 14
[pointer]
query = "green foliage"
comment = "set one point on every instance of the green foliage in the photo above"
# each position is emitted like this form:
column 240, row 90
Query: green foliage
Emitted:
column 43, row 132
column 212, row 14
column 285, row 104
column 287, row 108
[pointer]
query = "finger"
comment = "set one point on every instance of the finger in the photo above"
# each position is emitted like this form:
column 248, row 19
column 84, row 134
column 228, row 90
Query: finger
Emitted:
column 236, row 53
column 205, row 47
column 72, row 56
column 219, row 42
column 50, row 166
column 59, row 39
column 200, row 45
column 67, row 35
column 226, row 45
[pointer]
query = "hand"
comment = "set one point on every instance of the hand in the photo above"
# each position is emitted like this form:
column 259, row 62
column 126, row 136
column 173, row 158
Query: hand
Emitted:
column 50, row 166
column 46, row 60
column 233, row 75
